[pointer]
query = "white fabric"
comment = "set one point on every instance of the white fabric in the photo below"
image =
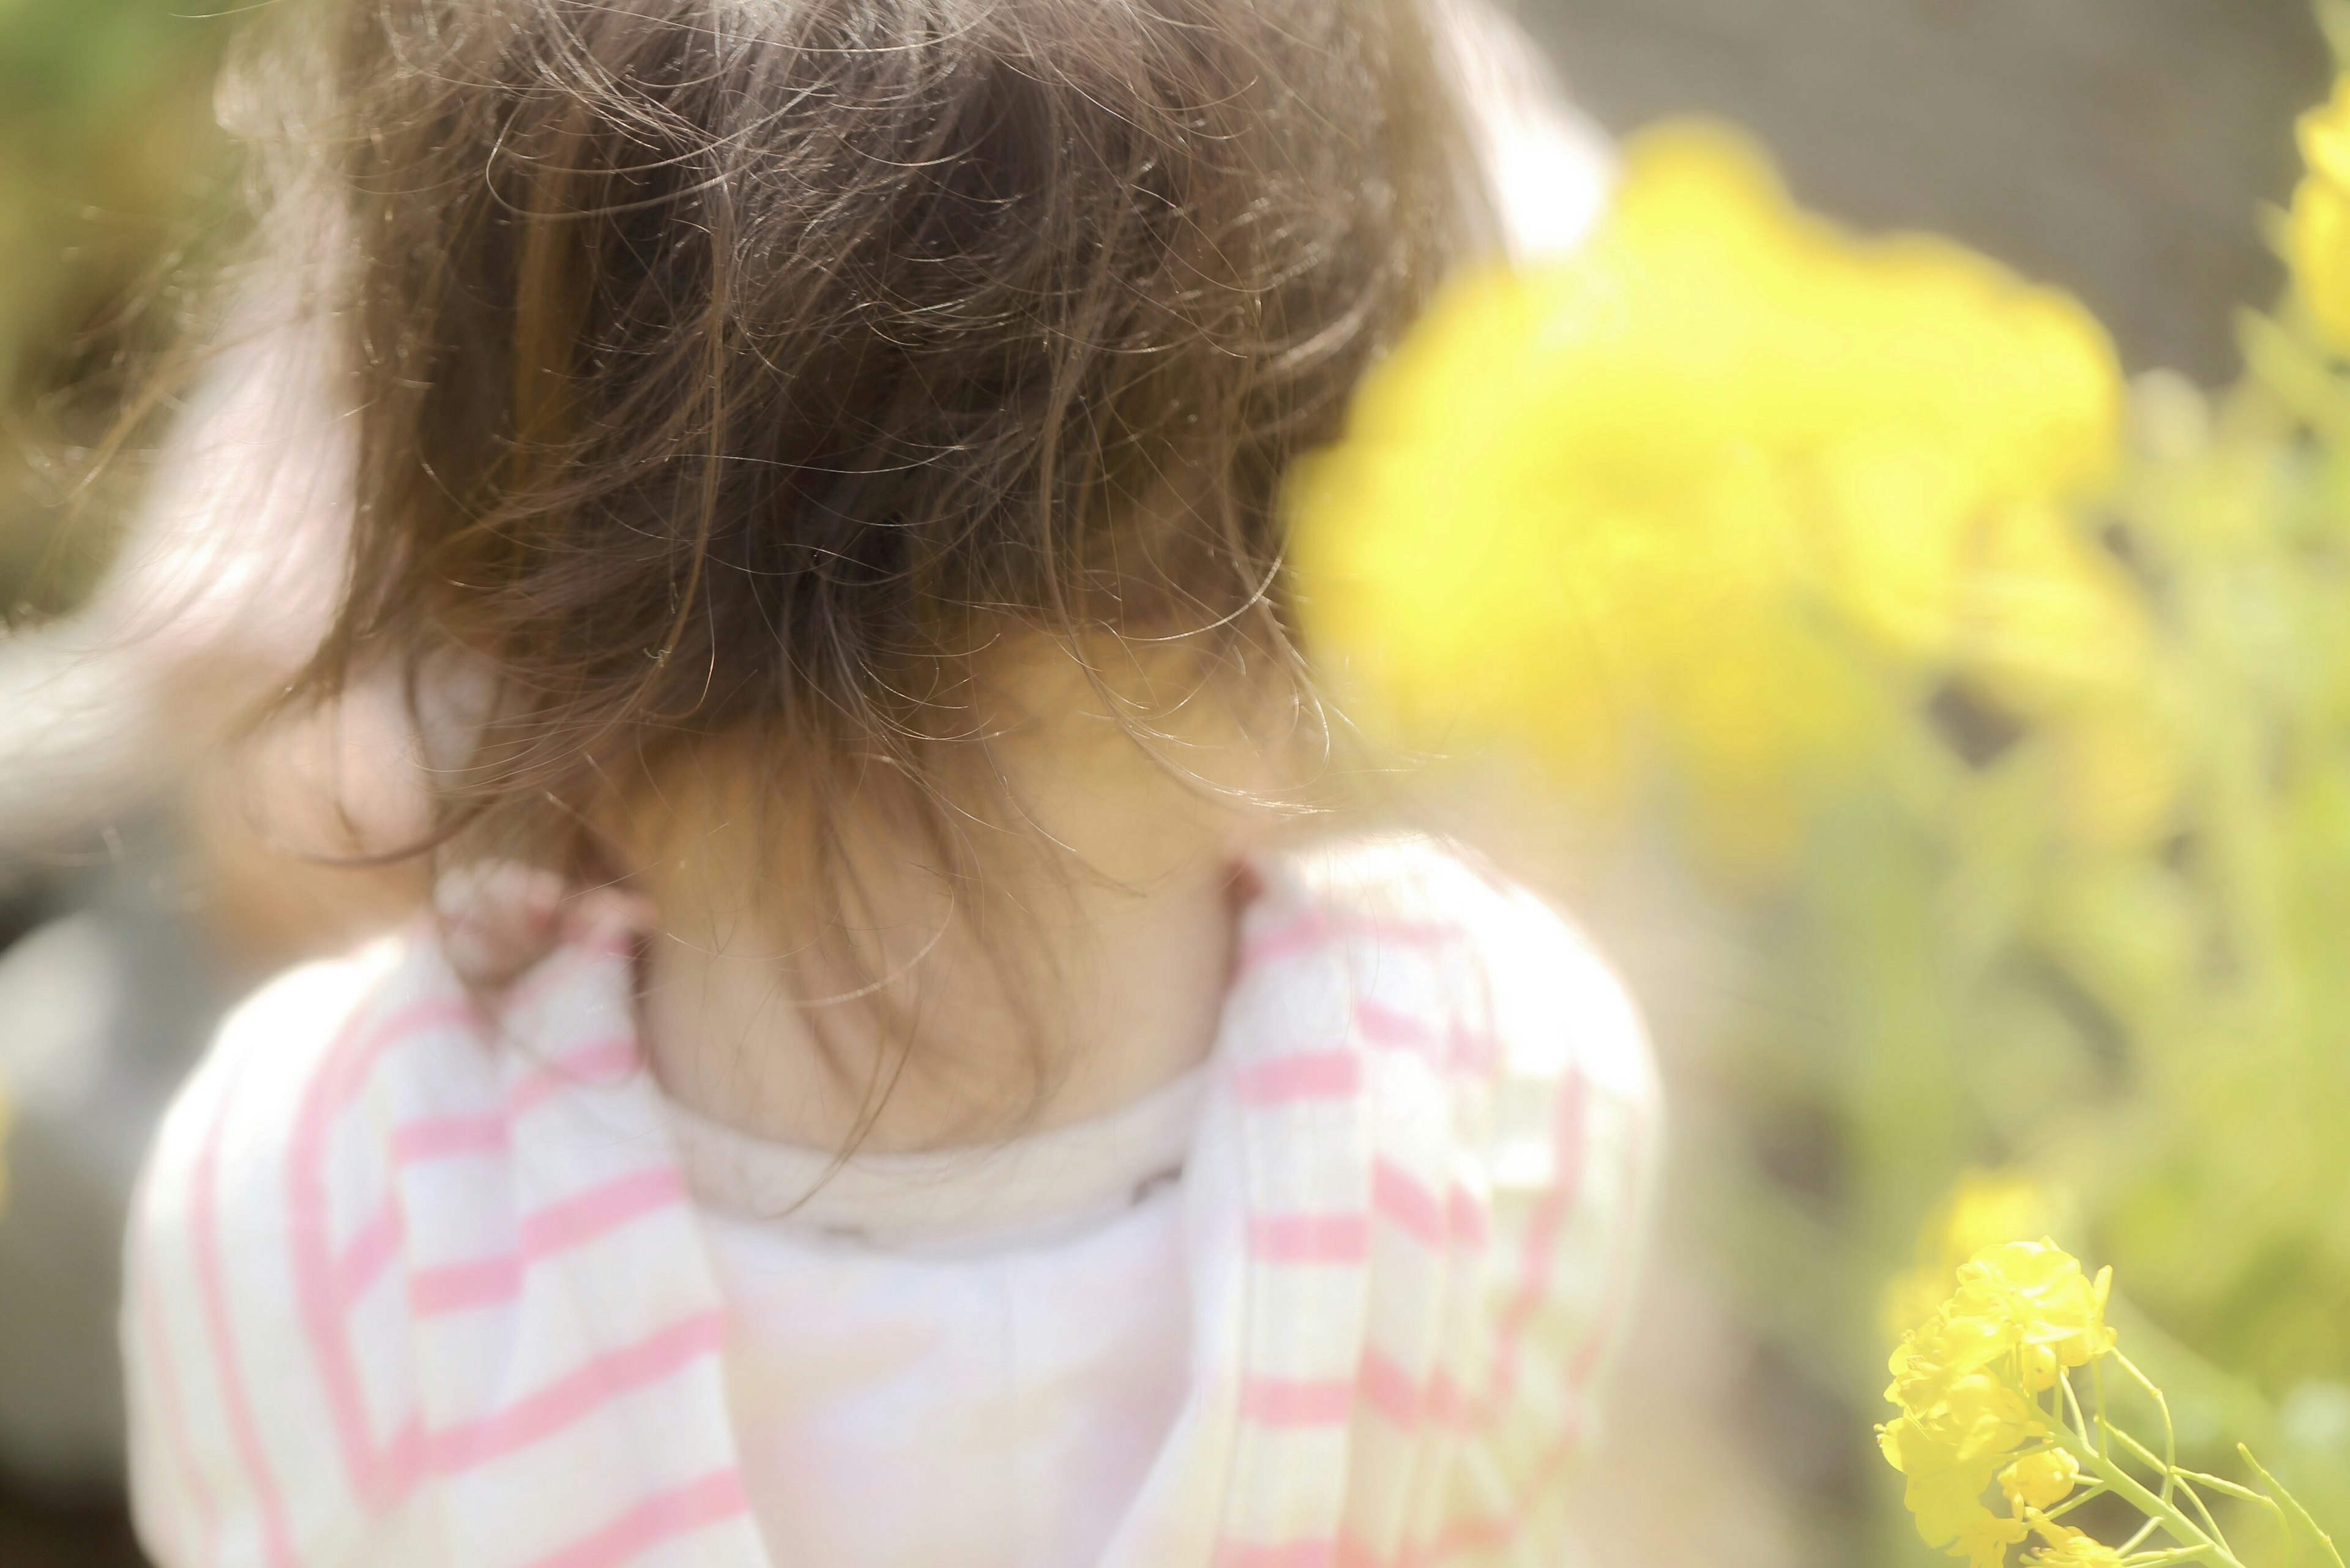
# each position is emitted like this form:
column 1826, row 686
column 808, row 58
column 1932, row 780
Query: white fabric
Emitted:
column 1000, row 1331
column 417, row 1282
column 1020, row 1396
column 1042, row 1188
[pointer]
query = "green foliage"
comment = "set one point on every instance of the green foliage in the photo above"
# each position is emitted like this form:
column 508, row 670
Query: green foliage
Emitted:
column 2156, row 1024
column 108, row 149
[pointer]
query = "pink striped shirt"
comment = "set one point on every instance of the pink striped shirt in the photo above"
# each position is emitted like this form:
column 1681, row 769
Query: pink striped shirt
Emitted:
column 414, row 1282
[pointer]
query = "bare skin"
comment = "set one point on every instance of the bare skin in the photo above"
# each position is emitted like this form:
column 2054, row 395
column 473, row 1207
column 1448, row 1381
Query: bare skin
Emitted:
column 1089, row 970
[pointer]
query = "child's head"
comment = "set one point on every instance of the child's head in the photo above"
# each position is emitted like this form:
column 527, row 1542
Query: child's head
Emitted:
column 743, row 372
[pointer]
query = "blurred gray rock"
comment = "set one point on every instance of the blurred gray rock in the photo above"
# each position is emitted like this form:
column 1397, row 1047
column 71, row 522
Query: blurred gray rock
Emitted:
column 101, row 1012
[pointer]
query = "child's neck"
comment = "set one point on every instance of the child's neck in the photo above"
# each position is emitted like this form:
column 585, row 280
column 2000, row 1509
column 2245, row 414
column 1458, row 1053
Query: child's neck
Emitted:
column 1131, row 1004
column 1090, row 970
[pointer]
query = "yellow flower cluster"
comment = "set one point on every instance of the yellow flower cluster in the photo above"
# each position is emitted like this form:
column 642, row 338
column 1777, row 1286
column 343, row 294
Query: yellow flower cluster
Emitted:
column 1649, row 501
column 1966, row 1383
column 2317, row 232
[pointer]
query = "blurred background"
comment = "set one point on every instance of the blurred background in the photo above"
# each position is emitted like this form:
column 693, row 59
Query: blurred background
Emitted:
column 1843, row 1037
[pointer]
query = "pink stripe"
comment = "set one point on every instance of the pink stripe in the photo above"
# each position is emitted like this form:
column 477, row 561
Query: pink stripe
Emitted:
column 461, row 1287
column 588, row 1215
column 244, row 1433
column 575, row 953
column 1314, row 1553
column 1309, row 1238
column 318, row 1292
column 176, row 1427
column 402, row 1460
column 590, row 1388
column 1468, row 1218
column 1398, row 1197
column 1391, row 1391
column 661, row 1517
column 1292, row 1402
column 377, row 1243
column 1474, row 1052
column 559, row 1227
column 1497, row 1531
column 1303, row 1075
column 600, row 1062
column 1346, row 1551
column 1301, row 935
column 1543, row 1228
column 444, row 1137
column 323, row 1289
column 1476, row 1535
column 1318, row 926
column 1393, row 1029
column 1455, row 1049
column 1446, row 1404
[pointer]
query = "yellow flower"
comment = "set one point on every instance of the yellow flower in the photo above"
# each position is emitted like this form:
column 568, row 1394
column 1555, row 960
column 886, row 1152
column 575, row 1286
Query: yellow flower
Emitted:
column 1943, row 1482
column 2021, row 1311
column 1984, row 1540
column 2039, row 1480
column 2035, row 1291
column 1965, row 1383
column 2317, row 231
column 1948, row 1445
column 1644, row 506
column 1973, row 1385
column 2069, row 1547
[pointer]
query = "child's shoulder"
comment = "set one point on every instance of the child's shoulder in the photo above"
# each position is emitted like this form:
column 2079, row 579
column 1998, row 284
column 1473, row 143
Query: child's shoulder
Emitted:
column 285, row 1068
column 226, row 1248
column 1555, row 1000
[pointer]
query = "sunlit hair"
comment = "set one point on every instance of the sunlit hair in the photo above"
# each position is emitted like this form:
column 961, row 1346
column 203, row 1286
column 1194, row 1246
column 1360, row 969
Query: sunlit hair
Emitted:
column 727, row 367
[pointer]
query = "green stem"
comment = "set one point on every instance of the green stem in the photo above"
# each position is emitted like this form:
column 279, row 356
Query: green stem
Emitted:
column 2299, row 1526
column 2217, row 1483
column 2174, row 1524
column 2172, row 1483
column 2169, row 1432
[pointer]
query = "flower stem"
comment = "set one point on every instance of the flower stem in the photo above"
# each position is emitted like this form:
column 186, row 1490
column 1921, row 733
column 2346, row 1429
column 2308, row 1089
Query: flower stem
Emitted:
column 2174, row 1524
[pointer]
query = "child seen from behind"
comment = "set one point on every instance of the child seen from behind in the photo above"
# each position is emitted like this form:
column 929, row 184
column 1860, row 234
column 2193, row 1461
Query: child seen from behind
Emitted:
column 887, row 1079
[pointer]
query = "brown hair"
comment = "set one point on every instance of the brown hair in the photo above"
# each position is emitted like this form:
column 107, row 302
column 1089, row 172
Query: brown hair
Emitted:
column 719, row 363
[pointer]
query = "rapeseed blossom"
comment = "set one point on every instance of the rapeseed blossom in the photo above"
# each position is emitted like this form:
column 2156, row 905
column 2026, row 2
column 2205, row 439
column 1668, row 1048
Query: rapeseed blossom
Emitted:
column 1965, row 1382
column 2317, row 230
column 2071, row 1549
column 2039, row 1480
column 1682, row 497
column 1985, row 1391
